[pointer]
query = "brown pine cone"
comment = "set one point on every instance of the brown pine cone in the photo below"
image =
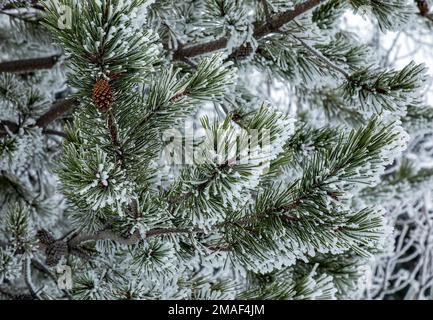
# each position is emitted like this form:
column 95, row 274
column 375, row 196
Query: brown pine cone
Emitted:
column 102, row 95
column 45, row 237
column 242, row 52
column 55, row 252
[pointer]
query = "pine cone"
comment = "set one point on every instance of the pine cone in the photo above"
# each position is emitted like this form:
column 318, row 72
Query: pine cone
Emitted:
column 242, row 52
column 45, row 237
column 102, row 95
column 55, row 252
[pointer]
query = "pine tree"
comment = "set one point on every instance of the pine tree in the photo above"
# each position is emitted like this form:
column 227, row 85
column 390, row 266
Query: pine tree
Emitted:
column 183, row 176
column 403, row 270
column 32, row 99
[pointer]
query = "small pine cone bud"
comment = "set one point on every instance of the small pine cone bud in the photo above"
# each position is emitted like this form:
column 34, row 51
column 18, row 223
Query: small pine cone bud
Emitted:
column 45, row 237
column 242, row 52
column 102, row 95
column 55, row 252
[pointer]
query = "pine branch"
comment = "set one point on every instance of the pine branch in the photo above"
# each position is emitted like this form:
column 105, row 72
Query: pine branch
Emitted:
column 282, row 18
column 136, row 237
column 108, row 234
column 324, row 59
column 28, row 65
column 303, row 197
column 273, row 25
column 56, row 111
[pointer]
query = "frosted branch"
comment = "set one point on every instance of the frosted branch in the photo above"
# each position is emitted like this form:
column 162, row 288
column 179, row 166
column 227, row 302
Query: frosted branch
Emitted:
column 56, row 111
column 273, row 25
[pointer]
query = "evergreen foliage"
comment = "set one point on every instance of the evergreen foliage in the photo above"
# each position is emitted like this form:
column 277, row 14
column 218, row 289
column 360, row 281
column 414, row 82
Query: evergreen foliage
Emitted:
column 180, row 177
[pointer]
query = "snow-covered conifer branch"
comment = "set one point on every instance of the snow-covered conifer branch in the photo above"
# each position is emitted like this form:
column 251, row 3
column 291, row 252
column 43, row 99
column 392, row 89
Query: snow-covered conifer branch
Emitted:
column 57, row 110
column 329, row 180
column 386, row 90
column 267, row 27
column 269, row 170
column 389, row 14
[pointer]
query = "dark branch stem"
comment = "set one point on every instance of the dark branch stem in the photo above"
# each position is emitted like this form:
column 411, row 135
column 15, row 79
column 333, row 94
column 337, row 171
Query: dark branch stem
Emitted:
column 200, row 49
column 273, row 25
column 54, row 133
column 6, row 126
column 56, row 111
column 112, row 130
column 282, row 18
column 28, row 65
column 424, row 9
